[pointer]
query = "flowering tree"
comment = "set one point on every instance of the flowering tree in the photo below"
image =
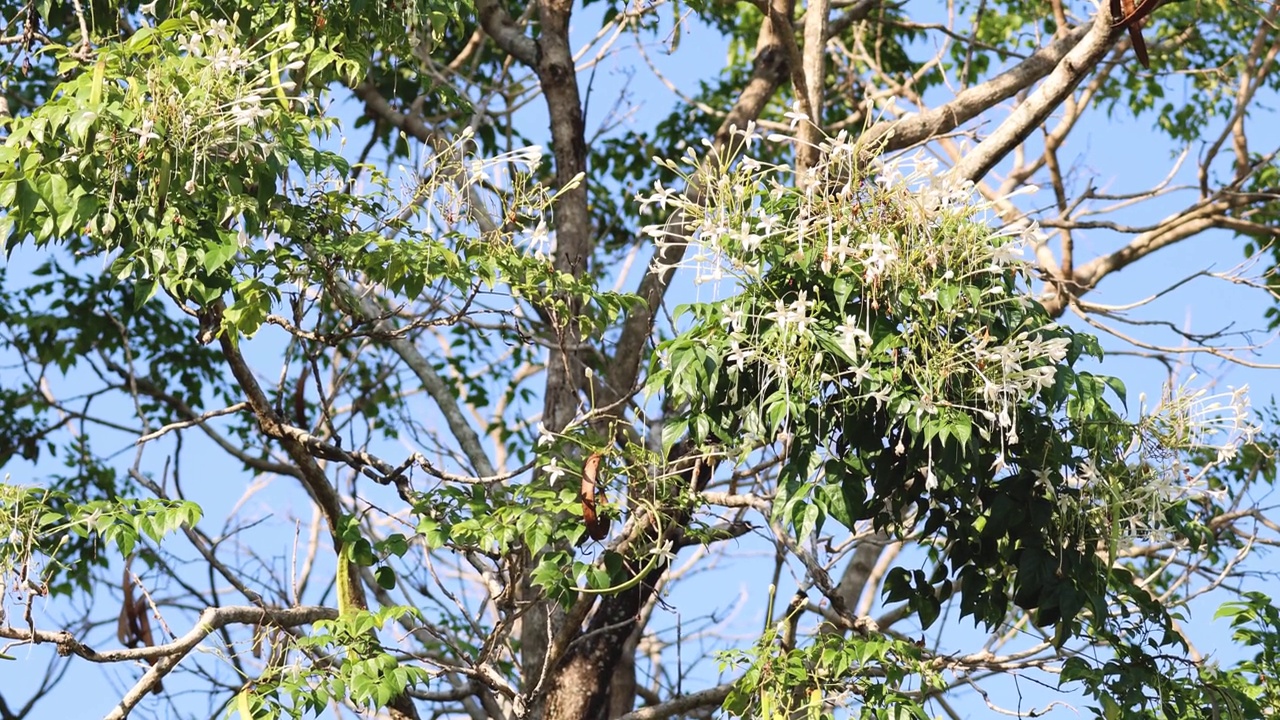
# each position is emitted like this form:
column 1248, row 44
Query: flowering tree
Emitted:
column 390, row 444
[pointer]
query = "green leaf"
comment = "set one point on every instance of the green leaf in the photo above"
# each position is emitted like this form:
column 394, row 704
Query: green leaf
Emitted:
column 929, row 608
column 361, row 553
column 218, row 254
column 948, row 294
column 386, row 577
column 1117, row 386
column 396, row 544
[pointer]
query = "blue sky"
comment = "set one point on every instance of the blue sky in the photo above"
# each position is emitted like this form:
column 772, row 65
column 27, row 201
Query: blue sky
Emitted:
column 1127, row 156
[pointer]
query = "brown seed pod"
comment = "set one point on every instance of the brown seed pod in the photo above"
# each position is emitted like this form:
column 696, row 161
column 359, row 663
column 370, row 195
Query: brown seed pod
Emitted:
column 300, row 404
column 133, row 627
column 125, row 623
column 1127, row 14
column 597, row 527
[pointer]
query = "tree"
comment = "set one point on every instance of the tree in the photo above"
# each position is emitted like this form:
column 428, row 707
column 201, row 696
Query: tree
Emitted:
column 483, row 474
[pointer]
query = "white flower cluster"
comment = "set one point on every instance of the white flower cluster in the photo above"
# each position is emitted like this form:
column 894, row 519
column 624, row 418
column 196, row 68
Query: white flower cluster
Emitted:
column 792, row 319
column 1143, row 481
column 916, row 251
column 901, row 224
column 876, row 221
column 1191, row 419
column 852, row 337
column 932, row 190
column 464, row 188
column 724, row 222
column 494, row 170
column 225, row 92
column 1012, row 372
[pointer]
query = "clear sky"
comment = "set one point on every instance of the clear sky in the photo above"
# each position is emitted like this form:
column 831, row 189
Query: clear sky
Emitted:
column 1125, row 156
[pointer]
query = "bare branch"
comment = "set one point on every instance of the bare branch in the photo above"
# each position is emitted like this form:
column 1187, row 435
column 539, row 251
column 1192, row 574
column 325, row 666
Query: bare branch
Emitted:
column 710, row 697
column 504, row 31
column 972, row 102
column 1029, row 115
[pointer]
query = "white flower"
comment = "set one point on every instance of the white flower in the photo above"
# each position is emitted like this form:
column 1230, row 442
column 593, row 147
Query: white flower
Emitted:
column 545, row 437
column 247, row 110
column 861, row 372
column 769, row 224
column 881, row 396
column 540, row 239
column 780, row 315
column 747, row 239
column 553, row 471
column 1044, row 476
column 799, row 312
column 1086, row 471
column 879, row 257
column 1007, row 254
column 739, row 356
column 795, row 116
column 193, row 46
column 528, row 158
column 654, row 231
column 145, row 133
column 1054, row 350
column 665, row 551
column 714, row 274
column 227, row 60
column 852, row 337
column 999, row 463
column 532, row 156
column 735, row 319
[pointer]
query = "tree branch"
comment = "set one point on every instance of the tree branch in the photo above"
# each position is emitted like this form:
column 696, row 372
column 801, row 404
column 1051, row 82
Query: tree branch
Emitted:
column 970, row 103
column 1084, row 55
column 504, row 31
column 166, row 657
column 366, row 310
column 146, row 387
column 683, row 704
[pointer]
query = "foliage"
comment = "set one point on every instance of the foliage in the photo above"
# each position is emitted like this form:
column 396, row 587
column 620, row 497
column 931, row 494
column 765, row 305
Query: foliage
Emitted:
column 874, row 670
column 52, row 541
column 883, row 333
column 369, row 678
column 368, row 396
